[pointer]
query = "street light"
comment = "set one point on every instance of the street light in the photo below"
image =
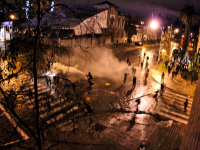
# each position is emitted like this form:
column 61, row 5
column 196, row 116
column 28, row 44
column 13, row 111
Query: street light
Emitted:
column 154, row 25
column 176, row 30
column 142, row 23
column 12, row 16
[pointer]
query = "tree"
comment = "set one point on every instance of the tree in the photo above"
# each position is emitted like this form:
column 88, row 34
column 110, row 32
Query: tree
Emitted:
column 188, row 16
column 129, row 29
column 178, row 25
column 37, row 59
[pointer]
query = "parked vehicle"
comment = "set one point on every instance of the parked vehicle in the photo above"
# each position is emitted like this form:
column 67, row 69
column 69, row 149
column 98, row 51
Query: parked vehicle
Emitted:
column 175, row 51
column 138, row 43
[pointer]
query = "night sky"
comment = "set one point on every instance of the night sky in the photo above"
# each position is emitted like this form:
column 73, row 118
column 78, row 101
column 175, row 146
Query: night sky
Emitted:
column 144, row 7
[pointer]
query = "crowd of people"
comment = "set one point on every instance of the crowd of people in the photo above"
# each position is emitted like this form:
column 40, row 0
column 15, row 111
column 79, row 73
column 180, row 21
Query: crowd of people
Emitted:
column 177, row 67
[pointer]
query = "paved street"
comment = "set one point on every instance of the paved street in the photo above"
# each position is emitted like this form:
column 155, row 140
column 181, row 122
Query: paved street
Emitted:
column 115, row 122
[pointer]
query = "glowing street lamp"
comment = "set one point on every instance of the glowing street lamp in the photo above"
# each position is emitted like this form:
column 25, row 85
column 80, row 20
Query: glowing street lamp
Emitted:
column 142, row 23
column 154, row 25
column 176, row 30
column 12, row 16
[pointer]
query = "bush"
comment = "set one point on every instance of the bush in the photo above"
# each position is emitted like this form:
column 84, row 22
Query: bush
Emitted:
column 185, row 75
column 195, row 74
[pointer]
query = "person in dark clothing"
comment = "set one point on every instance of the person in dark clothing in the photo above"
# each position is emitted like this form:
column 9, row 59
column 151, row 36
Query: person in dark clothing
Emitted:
column 144, row 54
column 127, row 60
column 156, row 96
column 162, row 78
column 176, row 73
column 177, row 68
column 89, row 76
column 173, row 74
column 134, row 81
column 125, row 76
column 141, row 65
column 162, row 89
column 156, row 58
column 138, row 101
column 185, row 105
column 169, row 69
column 90, row 81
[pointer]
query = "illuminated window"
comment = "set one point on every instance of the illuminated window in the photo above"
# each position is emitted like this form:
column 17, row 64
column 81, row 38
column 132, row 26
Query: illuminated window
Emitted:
column 27, row 8
column 52, row 5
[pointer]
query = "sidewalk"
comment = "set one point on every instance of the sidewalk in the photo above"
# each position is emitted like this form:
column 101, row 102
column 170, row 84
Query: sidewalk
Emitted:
column 179, row 84
column 127, row 47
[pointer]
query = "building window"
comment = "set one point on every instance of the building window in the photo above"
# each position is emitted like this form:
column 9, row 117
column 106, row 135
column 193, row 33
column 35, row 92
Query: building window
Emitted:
column 52, row 5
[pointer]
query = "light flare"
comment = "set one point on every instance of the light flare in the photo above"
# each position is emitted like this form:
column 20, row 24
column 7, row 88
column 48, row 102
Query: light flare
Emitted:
column 87, row 98
column 50, row 74
column 107, row 84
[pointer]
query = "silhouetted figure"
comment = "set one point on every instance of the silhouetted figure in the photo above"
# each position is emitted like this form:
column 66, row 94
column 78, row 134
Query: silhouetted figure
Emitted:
column 175, row 74
column 156, row 58
column 185, row 105
column 133, row 70
column 89, row 76
column 125, row 76
column 144, row 54
column 90, row 81
column 138, row 101
column 162, row 78
column 134, row 81
column 141, row 65
column 156, row 96
column 169, row 69
column 147, row 64
column 162, row 86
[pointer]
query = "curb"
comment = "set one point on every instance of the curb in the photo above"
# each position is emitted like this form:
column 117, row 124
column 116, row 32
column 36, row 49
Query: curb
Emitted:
column 171, row 88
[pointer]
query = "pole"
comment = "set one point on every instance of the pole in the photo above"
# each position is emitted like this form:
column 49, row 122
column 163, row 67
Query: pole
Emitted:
column 160, row 42
column 147, row 35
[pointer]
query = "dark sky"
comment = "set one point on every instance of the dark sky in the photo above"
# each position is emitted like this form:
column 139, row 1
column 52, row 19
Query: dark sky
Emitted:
column 144, row 7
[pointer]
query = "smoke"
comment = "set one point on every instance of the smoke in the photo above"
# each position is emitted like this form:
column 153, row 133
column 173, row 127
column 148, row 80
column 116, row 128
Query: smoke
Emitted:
column 99, row 61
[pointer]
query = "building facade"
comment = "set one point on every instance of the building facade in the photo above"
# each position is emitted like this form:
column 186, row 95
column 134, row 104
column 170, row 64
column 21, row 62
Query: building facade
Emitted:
column 6, row 31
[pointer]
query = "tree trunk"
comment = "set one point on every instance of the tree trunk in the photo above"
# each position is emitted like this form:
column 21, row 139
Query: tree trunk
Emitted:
column 185, row 42
column 35, row 79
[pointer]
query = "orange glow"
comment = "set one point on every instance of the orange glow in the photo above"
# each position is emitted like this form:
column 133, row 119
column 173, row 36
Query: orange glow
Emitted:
column 12, row 16
column 107, row 83
column 87, row 99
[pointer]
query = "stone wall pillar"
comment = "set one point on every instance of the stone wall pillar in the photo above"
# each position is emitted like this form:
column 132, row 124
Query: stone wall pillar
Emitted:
column 191, row 140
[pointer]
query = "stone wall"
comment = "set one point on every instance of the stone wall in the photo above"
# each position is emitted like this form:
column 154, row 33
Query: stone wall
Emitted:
column 191, row 140
column 80, row 41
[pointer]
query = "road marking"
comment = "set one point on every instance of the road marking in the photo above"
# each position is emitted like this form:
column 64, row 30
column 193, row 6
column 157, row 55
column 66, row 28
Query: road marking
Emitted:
column 172, row 117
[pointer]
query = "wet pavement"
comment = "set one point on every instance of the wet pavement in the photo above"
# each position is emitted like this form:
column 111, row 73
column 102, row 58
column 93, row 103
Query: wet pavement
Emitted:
column 119, row 122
